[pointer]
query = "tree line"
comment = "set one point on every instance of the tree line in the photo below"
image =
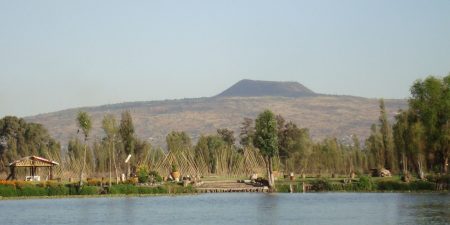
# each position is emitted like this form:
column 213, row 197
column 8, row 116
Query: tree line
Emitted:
column 416, row 141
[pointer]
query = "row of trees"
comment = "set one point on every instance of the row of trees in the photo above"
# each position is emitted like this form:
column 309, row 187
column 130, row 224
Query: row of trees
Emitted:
column 417, row 141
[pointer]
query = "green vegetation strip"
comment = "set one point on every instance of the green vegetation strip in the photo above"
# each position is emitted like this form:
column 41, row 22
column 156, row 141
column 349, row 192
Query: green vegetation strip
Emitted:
column 23, row 189
column 364, row 184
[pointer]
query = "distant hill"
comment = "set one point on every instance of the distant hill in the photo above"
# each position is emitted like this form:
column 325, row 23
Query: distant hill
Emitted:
column 257, row 88
column 324, row 115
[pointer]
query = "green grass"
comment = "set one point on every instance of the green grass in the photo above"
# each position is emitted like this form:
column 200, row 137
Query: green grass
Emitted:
column 362, row 184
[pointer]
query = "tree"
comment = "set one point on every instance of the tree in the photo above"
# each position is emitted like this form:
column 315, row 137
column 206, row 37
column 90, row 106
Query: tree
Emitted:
column 19, row 139
column 126, row 132
column 387, row 138
column 178, row 141
column 110, row 128
column 84, row 123
column 247, row 133
column 430, row 101
column 227, row 136
column 266, row 140
column 401, row 138
column 374, row 144
column 294, row 144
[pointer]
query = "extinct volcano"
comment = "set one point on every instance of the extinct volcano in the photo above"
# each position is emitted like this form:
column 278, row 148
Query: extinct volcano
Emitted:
column 257, row 88
column 324, row 115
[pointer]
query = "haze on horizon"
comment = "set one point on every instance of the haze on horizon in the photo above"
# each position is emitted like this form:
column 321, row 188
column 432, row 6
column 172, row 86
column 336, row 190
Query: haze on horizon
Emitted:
column 56, row 55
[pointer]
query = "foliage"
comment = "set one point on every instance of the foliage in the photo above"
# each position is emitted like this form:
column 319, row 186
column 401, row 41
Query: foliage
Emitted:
column 84, row 123
column 178, row 141
column 321, row 185
column 123, row 189
column 156, row 176
column 8, row 191
column 143, row 174
column 430, row 102
column 247, row 133
column 266, row 140
column 58, row 189
column 266, row 135
column 89, row 190
column 174, row 168
column 19, row 139
column 227, row 136
column 94, row 182
column 31, row 190
column 387, row 139
column 365, row 183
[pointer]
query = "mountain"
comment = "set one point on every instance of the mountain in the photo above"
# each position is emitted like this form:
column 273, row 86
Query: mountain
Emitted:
column 255, row 88
column 324, row 115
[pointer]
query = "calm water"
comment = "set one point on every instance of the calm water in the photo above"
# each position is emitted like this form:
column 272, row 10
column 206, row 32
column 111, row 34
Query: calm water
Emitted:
column 235, row 208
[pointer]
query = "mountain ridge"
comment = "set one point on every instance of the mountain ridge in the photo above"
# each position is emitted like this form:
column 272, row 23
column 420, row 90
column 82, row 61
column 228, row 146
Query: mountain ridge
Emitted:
column 324, row 115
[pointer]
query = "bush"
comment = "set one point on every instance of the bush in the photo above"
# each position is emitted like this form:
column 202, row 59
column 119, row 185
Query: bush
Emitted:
column 391, row 185
column 156, row 176
column 123, row 189
column 94, row 182
column 89, row 190
column 321, row 185
column 31, row 190
column 8, row 191
column 60, row 189
column 420, row 185
column 73, row 188
column 143, row 175
column 132, row 181
column 283, row 188
column 365, row 184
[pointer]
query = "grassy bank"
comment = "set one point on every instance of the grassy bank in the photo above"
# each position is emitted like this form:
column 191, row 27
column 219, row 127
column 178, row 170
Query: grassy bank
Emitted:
column 49, row 188
column 364, row 184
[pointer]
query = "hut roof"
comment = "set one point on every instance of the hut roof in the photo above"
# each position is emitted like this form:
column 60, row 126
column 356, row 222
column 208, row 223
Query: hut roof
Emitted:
column 35, row 161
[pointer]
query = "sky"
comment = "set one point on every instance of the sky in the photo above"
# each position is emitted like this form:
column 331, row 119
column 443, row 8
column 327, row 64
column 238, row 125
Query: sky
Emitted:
column 57, row 54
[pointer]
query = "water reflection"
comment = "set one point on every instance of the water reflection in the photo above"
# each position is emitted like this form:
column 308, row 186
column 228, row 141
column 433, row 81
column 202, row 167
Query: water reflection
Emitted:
column 267, row 210
column 235, row 208
column 429, row 211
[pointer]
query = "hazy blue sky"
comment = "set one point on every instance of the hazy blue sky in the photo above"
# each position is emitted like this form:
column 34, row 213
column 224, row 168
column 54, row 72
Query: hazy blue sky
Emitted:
column 60, row 54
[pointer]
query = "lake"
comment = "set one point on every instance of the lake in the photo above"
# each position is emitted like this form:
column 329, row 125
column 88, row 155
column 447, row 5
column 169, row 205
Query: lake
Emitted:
column 235, row 208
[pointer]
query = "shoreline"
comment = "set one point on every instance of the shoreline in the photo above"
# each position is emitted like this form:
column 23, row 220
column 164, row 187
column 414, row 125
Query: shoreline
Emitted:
column 198, row 193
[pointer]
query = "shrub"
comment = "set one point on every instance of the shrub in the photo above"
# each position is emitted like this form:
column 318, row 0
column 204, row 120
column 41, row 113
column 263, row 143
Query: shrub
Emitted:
column 174, row 168
column 31, row 190
column 143, row 175
column 156, row 176
column 7, row 191
column 57, row 189
column 123, row 189
column 391, row 185
column 20, row 184
column 365, row 184
column 321, row 185
column 94, row 182
column 420, row 185
column 89, row 190
column 73, row 188
column 282, row 188
column 131, row 181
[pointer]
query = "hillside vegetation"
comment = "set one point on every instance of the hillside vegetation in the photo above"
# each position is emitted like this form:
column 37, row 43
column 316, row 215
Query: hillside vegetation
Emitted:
column 325, row 116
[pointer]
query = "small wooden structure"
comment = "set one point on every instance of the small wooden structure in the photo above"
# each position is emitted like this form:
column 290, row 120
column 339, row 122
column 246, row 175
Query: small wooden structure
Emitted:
column 33, row 163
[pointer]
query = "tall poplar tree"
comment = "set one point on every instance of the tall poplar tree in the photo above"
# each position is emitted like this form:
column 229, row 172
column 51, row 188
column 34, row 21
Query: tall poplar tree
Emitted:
column 85, row 124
